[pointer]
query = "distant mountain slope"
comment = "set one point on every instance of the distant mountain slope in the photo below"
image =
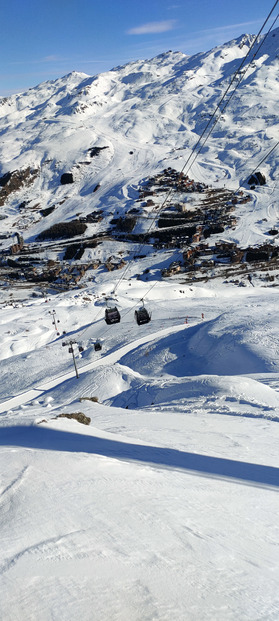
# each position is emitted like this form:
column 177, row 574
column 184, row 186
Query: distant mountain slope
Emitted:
column 149, row 115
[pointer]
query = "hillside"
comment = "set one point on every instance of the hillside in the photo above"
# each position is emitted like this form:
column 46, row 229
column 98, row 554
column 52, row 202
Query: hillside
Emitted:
column 114, row 133
column 139, row 463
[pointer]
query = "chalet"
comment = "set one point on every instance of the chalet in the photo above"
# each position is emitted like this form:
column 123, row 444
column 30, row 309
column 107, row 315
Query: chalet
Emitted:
column 174, row 268
column 196, row 237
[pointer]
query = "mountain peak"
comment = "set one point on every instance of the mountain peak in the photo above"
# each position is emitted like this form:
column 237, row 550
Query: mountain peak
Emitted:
column 149, row 114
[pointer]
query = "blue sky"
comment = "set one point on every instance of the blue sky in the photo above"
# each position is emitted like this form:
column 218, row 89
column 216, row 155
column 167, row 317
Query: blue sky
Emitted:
column 45, row 39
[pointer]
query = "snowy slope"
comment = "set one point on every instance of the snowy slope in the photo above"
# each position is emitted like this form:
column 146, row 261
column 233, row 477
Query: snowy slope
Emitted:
column 165, row 506
column 148, row 114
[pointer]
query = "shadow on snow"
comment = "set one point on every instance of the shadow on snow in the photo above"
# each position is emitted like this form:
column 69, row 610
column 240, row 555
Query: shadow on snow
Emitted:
column 53, row 440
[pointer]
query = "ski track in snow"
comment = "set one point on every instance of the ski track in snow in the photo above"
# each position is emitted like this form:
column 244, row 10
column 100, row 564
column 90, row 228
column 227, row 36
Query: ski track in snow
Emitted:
column 107, row 360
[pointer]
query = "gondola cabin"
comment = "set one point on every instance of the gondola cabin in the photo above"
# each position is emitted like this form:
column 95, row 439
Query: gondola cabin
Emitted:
column 142, row 316
column 112, row 315
column 97, row 346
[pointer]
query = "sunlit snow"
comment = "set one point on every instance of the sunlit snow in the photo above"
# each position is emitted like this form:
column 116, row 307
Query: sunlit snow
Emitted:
column 164, row 507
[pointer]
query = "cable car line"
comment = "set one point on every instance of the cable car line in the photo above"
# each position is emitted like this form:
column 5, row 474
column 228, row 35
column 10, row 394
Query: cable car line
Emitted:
column 234, row 77
column 112, row 314
column 264, row 158
column 218, row 107
column 156, row 282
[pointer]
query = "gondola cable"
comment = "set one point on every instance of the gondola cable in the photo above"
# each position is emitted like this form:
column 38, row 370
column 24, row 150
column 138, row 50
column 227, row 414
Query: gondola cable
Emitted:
column 218, row 107
column 171, row 191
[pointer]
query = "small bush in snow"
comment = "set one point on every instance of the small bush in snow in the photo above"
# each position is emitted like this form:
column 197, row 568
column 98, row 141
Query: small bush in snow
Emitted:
column 79, row 416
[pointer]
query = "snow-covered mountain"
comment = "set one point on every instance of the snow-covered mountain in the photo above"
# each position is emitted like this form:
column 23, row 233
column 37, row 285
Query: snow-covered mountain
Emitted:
column 164, row 504
column 149, row 114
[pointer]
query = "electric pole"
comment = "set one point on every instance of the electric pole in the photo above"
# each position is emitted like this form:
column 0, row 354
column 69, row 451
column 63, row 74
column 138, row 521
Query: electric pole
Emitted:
column 54, row 320
column 71, row 344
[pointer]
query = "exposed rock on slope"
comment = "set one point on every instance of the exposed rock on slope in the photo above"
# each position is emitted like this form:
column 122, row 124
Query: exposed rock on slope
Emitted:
column 12, row 181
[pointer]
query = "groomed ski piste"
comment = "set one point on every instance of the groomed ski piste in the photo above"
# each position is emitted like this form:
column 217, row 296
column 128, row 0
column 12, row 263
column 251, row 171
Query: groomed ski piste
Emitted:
column 165, row 506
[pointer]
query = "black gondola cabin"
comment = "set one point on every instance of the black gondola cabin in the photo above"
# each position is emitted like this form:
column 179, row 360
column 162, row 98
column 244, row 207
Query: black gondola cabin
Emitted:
column 112, row 315
column 142, row 316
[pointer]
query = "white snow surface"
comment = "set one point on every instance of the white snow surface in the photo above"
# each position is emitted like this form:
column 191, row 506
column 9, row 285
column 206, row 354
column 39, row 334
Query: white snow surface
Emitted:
column 165, row 506
column 149, row 114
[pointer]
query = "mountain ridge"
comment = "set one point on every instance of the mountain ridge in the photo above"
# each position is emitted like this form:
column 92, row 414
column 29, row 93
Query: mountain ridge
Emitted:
column 139, row 119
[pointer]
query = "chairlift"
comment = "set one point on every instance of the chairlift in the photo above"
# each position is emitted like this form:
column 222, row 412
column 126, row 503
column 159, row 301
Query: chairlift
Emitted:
column 97, row 346
column 112, row 315
column 142, row 316
column 80, row 348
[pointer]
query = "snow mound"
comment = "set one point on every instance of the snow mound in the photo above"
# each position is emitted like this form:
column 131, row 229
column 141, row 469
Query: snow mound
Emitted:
column 220, row 346
column 233, row 396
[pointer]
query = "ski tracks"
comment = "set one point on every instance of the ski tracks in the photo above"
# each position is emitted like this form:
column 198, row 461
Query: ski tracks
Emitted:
column 110, row 358
column 14, row 484
column 44, row 548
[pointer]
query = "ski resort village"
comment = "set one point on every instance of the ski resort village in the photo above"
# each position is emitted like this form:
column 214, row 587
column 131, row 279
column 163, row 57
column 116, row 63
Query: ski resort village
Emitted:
column 139, row 284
